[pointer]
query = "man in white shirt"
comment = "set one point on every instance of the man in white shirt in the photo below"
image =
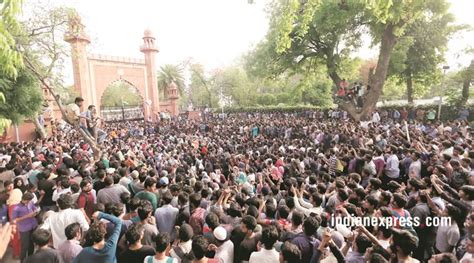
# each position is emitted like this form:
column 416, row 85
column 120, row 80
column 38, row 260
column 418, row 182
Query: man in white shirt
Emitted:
column 56, row 222
column 376, row 117
column 224, row 247
column 392, row 170
column 73, row 111
column 62, row 188
column 266, row 253
column 415, row 166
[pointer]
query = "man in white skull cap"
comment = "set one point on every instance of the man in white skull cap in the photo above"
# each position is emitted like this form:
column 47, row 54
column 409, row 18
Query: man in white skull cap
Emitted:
column 222, row 245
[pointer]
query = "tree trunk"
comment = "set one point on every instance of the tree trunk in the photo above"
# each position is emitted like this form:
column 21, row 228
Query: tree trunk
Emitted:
column 467, row 83
column 40, row 128
column 376, row 79
column 91, row 141
column 409, row 87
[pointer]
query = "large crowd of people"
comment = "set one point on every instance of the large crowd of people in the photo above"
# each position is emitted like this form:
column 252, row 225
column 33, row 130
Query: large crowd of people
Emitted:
column 257, row 187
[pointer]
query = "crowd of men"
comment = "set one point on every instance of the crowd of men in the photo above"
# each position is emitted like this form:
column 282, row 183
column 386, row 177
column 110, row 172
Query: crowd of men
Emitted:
column 245, row 188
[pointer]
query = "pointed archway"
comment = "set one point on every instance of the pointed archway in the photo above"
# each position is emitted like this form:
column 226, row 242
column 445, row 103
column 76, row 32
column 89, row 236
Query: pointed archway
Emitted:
column 93, row 73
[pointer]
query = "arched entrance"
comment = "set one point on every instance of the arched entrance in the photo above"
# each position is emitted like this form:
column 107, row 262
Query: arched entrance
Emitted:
column 93, row 73
column 121, row 101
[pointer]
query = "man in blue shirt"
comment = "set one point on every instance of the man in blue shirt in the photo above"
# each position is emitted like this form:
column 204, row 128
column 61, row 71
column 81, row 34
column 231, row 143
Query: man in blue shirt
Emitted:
column 101, row 251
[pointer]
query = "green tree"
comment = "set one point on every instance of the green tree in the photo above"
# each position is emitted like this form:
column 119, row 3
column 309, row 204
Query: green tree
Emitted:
column 327, row 32
column 121, row 92
column 10, row 58
column 23, row 95
column 416, row 58
column 166, row 75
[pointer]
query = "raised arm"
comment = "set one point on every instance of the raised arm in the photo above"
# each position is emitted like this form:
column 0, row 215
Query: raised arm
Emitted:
column 113, row 239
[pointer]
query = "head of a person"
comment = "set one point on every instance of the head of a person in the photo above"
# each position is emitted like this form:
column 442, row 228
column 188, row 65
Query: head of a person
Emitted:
column 97, row 232
column 73, row 231
column 220, row 235
column 79, row 101
column 135, row 233
column 371, row 203
column 162, row 243
column 212, row 220
column 65, row 201
column 290, row 253
column 310, row 226
column 443, row 258
column 185, row 233
column 195, row 200
column 86, row 185
column 403, row 242
column 150, row 184
column 199, row 247
column 41, row 237
column 399, row 200
column 26, row 198
column 144, row 210
column 8, row 185
column 269, row 237
column 249, row 223
column 166, row 197
column 297, row 218
column 109, row 180
column 362, row 243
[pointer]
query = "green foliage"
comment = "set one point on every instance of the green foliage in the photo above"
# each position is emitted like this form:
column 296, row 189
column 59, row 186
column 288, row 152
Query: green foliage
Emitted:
column 417, row 57
column 166, row 75
column 23, row 95
column 67, row 94
column 10, row 58
column 121, row 92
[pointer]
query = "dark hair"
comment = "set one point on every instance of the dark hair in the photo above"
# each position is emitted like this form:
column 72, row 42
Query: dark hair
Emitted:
column 212, row 220
column 167, row 197
column 27, row 196
column 149, row 182
column 377, row 258
column 115, row 209
column 310, row 226
column 134, row 233
column 185, row 233
column 195, row 200
column 65, row 201
column 448, row 258
column 283, row 211
column 468, row 190
column 72, row 230
column 405, row 240
column 250, row 222
column 375, row 183
column 362, row 243
column 78, row 99
column 297, row 218
column 342, row 194
column 145, row 209
column 41, row 237
column 162, row 241
column 270, row 235
column 97, row 232
column 291, row 252
column 199, row 246
column 372, row 201
column 109, row 180
column 400, row 200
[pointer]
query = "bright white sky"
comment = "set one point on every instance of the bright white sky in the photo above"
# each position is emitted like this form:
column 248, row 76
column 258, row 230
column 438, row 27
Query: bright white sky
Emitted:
column 212, row 32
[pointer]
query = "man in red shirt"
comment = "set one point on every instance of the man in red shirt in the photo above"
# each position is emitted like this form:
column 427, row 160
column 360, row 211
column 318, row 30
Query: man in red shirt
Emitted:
column 86, row 199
